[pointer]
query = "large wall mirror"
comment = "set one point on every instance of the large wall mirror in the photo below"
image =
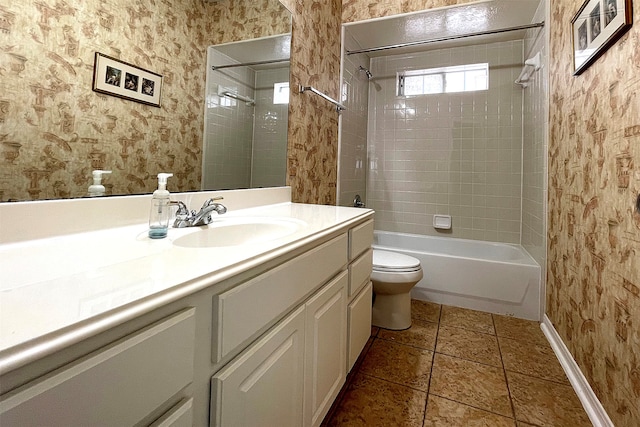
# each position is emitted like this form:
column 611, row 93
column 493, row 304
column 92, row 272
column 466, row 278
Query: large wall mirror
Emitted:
column 54, row 130
column 246, row 114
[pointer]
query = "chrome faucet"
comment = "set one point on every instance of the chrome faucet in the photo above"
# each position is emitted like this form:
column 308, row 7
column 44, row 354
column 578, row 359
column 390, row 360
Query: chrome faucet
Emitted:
column 184, row 218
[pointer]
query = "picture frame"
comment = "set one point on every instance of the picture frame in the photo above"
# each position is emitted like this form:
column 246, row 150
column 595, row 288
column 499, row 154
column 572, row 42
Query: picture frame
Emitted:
column 598, row 25
column 114, row 77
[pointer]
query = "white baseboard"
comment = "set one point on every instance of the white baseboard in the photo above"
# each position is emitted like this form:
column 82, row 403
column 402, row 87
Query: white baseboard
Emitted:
column 591, row 404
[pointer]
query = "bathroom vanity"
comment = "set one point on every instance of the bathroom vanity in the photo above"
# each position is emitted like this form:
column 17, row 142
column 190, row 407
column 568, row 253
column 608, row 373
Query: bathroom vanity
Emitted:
column 103, row 326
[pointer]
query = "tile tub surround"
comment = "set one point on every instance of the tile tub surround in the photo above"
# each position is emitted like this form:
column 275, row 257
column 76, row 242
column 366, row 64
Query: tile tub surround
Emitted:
column 352, row 161
column 457, row 154
column 129, row 274
column 481, row 370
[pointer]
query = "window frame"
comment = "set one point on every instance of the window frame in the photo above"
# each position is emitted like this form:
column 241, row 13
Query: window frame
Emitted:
column 402, row 76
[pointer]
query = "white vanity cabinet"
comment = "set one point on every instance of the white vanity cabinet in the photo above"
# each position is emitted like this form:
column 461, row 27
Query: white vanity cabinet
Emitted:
column 292, row 374
column 264, row 386
column 270, row 344
column 325, row 349
column 360, row 290
column 118, row 385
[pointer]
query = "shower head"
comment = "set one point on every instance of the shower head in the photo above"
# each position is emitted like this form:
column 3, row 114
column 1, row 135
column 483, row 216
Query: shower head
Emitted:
column 367, row 72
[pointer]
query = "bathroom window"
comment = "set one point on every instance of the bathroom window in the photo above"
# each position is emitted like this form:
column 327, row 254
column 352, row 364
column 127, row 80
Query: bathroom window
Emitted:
column 281, row 93
column 459, row 78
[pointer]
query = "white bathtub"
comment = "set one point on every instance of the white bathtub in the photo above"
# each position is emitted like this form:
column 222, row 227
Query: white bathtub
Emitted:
column 493, row 277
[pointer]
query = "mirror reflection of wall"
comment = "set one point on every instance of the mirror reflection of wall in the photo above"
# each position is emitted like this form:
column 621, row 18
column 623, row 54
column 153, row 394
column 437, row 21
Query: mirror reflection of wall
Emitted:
column 54, row 130
column 246, row 116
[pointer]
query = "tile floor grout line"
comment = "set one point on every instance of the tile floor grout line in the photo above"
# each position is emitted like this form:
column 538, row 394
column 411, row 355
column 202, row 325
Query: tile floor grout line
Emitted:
column 472, row 361
column 504, row 372
column 405, row 344
column 471, row 330
column 478, row 408
column 433, row 360
column 430, row 394
column 538, row 378
column 391, row 382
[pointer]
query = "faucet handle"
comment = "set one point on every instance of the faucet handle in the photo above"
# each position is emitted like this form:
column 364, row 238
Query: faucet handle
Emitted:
column 182, row 208
column 182, row 214
column 210, row 201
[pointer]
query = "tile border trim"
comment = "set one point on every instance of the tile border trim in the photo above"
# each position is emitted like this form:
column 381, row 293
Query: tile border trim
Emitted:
column 589, row 400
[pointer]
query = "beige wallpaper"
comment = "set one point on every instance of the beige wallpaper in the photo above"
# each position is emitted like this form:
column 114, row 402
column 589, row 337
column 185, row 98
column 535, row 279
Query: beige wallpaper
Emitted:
column 54, row 130
column 593, row 290
column 358, row 10
column 313, row 122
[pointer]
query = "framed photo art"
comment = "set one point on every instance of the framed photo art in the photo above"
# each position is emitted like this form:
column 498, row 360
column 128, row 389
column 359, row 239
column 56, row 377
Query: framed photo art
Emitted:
column 124, row 80
column 596, row 26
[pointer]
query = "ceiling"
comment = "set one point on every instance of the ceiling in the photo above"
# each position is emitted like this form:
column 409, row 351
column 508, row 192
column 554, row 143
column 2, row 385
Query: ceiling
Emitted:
column 256, row 50
column 431, row 24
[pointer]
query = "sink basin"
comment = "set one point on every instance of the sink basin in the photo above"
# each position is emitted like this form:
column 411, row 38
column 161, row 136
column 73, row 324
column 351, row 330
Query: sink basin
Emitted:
column 239, row 231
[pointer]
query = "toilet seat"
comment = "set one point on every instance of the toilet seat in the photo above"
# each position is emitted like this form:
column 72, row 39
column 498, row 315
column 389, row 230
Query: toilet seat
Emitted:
column 393, row 262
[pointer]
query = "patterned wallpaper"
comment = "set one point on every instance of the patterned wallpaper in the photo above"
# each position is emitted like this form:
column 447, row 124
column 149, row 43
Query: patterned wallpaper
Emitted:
column 593, row 290
column 358, row 10
column 54, row 130
column 313, row 122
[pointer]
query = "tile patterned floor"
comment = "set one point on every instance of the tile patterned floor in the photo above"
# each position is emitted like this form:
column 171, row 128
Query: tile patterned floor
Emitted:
column 458, row 367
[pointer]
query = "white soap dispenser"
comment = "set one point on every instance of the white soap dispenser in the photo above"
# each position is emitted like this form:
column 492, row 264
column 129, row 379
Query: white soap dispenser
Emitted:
column 97, row 189
column 160, row 209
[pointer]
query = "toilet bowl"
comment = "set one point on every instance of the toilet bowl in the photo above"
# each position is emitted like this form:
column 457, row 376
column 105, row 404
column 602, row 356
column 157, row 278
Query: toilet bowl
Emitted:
column 393, row 277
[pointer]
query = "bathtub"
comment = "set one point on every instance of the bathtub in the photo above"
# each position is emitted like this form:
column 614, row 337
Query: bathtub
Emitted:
column 494, row 277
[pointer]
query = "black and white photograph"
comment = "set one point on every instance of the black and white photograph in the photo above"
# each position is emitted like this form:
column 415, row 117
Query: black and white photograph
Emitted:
column 147, row 87
column 611, row 11
column 582, row 36
column 112, row 76
column 595, row 22
column 131, row 82
column 597, row 25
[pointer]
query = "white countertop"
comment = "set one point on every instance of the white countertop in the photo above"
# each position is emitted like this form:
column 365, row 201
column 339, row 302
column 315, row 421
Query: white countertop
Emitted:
column 59, row 290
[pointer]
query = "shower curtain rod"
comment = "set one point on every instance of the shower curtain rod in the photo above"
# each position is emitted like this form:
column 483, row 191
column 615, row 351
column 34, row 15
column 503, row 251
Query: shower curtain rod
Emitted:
column 271, row 61
column 443, row 39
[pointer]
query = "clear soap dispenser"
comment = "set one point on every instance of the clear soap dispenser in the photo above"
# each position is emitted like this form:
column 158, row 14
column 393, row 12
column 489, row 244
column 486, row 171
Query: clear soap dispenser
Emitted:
column 160, row 209
column 97, row 189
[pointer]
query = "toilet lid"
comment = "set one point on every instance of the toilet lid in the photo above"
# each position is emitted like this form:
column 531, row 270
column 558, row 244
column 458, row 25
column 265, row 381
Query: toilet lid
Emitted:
column 393, row 261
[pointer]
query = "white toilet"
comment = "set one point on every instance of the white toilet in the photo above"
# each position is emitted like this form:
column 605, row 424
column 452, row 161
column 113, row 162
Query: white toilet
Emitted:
column 393, row 276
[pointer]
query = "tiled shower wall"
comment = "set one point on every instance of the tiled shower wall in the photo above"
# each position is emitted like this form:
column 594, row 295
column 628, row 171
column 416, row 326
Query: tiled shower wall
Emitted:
column 535, row 146
column 244, row 146
column 269, row 168
column 228, row 126
column 353, row 140
column 458, row 154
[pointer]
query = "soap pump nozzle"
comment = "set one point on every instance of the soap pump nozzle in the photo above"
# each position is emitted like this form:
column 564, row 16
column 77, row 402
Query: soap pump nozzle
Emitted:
column 97, row 189
column 162, row 181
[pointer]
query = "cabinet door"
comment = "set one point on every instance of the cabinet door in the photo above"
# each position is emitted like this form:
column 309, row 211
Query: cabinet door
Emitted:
column 359, row 317
column 263, row 385
column 325, row 353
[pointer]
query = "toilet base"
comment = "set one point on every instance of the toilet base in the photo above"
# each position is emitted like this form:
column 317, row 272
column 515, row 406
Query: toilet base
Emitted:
column 392, row 311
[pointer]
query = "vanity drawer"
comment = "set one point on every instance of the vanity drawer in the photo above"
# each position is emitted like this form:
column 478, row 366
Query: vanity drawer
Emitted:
column 360, row 239
column 180, row 415
column 243, row 312
column 360, row 272
column 116, row 385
